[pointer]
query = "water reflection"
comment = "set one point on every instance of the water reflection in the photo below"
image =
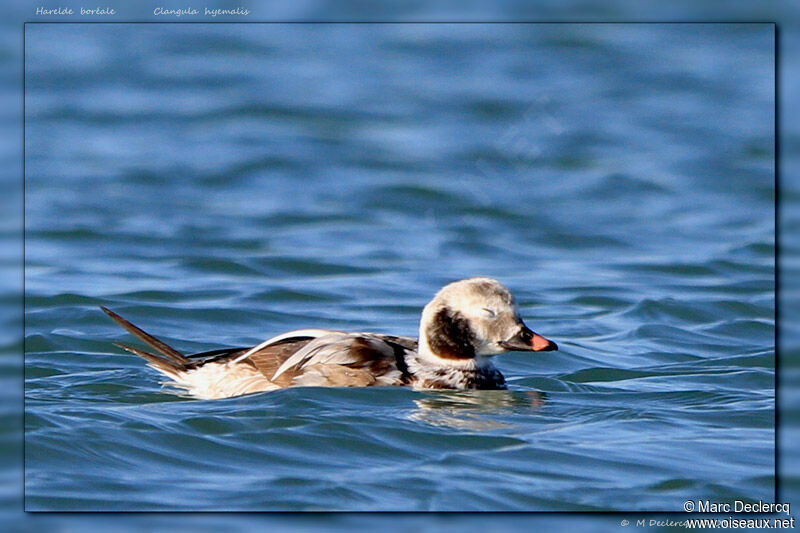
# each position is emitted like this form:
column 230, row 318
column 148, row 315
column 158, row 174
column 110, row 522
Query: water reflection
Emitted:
column 475, row 410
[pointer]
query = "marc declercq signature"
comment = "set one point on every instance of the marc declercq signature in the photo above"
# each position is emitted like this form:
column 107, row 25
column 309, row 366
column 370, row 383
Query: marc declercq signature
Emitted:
column 726, row 522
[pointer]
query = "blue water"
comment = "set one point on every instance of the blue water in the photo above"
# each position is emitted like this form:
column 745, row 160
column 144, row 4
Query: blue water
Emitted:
column 219, row 184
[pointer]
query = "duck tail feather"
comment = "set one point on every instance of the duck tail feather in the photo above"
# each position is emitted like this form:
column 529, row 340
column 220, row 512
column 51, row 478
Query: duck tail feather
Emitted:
column 160, row 346
column 163, row 364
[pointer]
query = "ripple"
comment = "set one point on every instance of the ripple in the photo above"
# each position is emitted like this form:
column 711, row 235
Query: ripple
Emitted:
column 223, row 184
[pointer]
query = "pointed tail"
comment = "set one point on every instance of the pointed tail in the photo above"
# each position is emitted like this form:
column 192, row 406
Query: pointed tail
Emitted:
column 171, row 359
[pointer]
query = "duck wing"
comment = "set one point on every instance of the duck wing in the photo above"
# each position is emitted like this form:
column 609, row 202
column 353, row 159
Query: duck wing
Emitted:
column 349, row 359
column 323, row 358
column 309, row 357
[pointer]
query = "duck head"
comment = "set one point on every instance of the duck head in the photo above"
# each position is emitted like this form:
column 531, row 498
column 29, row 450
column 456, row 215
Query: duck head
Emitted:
column 473, row 319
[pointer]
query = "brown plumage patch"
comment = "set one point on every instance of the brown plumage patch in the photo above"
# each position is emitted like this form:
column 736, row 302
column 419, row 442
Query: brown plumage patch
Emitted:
column 401, row 346
column 373, row 355
column 371, row 358
column 268, row 359
column 449, row 335
column 342, row 376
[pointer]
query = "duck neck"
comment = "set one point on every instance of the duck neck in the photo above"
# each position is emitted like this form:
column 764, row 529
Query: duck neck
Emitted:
column 431, row 371
column 428, row 358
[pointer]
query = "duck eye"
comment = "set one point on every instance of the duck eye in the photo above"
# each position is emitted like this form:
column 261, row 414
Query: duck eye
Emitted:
column 489, row 312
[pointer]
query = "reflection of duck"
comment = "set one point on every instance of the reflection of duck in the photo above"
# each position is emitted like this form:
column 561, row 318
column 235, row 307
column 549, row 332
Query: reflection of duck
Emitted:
column 469, row 409
column 465, row 324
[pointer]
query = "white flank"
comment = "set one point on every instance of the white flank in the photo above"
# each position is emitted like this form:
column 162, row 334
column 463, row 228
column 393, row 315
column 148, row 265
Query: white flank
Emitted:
column 213, row 381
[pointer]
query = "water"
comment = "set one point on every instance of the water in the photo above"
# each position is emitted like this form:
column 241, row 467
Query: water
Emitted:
column 219, row 184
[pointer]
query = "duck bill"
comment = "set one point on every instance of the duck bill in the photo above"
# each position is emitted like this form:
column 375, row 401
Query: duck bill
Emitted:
column 527, row 340
column 540, row 344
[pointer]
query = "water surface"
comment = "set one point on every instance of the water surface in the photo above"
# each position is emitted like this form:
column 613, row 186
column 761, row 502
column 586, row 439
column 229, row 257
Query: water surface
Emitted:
column 219, row 184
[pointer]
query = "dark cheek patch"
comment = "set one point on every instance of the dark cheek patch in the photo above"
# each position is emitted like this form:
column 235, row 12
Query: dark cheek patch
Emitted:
column 449, row 335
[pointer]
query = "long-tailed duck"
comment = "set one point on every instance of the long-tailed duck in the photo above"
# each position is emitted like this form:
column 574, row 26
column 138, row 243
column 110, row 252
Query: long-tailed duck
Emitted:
column 465, row 324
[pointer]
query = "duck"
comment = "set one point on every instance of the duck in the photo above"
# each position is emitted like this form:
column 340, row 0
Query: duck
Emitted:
column 461, row 329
